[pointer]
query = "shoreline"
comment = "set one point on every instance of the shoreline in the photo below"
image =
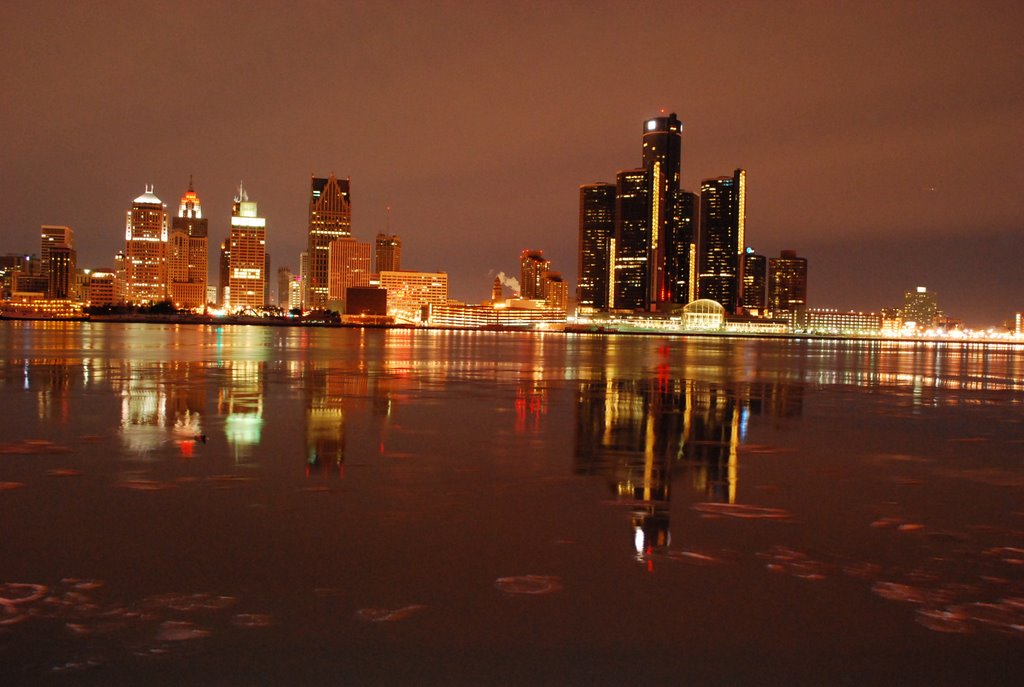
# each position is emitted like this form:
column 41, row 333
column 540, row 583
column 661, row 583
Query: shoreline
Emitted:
column 204, row 320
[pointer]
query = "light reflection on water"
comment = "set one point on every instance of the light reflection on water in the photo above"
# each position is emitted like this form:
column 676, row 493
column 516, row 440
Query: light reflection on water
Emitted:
column 320, row 478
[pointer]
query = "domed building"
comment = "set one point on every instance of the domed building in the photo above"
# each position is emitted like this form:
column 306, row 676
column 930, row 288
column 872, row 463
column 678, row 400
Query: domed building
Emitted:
column 703, row 314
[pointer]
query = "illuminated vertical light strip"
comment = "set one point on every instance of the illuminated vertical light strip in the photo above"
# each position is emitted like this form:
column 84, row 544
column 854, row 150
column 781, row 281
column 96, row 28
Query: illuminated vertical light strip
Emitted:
column 741, row 191
column 611, row 273
column 692, row 284
column 655, row 266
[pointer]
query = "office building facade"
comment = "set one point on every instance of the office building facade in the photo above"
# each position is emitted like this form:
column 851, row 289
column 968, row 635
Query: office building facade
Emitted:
column 722, row 238
column 387, row 253
column 247, row 259
column 330, row 218
column 787, row 284
column 188, row 253
column 596, row 231
column 145, row 251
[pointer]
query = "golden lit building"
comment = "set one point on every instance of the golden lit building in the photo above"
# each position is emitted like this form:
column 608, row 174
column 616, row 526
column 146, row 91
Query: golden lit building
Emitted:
column 102, row 287
column 248, row 256
column 349, row 262
column 408, row 292
column 145, row 252
column 187, row 260
column 556, row 292
column 330, row 218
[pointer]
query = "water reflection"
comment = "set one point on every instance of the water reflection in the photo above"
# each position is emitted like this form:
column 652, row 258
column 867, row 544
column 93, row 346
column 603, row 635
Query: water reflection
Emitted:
column 240, row 401
column 649, row 436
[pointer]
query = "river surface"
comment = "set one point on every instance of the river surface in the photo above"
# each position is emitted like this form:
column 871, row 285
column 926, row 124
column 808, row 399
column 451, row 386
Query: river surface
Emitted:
column 248, row 505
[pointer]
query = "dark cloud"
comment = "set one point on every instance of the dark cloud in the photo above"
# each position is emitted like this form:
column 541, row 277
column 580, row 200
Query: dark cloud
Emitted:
column 865, row 127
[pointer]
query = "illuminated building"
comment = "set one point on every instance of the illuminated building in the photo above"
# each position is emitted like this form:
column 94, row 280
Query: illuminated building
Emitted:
column 787, row 285
column 668, row 244
column 409, row 292
column 684, row 250
column 102, row 287
column 248, row 258
column 224, row 273
column 188, row 253
column 533, row 269
column 349, row 262
column 826, row 321
column 62, row 272
column 284, row 280
column 38, row 306
column 920, row 308
column 295, row 294
column 145, row 250
column 722, row 228
column 753, row 282
column 266, row 279
column 55, row 237
column 303, row 277
column 496, row 292
column 387, row 253
column 596, row 230
column 330, row 218
column 631, row 242
column 556, row 292
column 703, row 313
column 512, row 313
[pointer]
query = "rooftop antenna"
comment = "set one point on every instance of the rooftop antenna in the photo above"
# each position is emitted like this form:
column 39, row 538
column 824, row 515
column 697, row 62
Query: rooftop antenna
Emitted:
column 387, row 209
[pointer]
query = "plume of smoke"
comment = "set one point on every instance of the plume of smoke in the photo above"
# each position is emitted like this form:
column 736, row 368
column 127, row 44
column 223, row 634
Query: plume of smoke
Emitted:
column 510, row 282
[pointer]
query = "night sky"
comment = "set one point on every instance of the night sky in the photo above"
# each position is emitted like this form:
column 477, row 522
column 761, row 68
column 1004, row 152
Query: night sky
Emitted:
column 883, row 141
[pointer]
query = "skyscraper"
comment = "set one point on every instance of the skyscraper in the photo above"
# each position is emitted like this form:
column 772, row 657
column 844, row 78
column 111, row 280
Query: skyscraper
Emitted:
column 661, row 161
column 753, row 282
column 58, row 260
column 387, row 253
column 284, row 280
column 533, row 270
column 247, row 260
column 330, row 218
column 349, row 262
column 597, row 228
column 787, row 284
column 145, row 252
column 650, row 250
column 224, row 273
column 53, row 235
column 629, row 253
column 921, row 307
column 188, row 254
column 722, row 220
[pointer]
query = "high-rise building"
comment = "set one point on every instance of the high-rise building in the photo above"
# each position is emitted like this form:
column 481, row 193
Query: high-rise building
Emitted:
column 630, row 248
column 921, row 307
column 597, row 229
column 722, row 228
column 387, row 253
column 224, row 274
column 303, row 280
column 53, row 235
column 284, row 280
column 248, row 257
column 533, row 270
column 639, row 256
column 61, row 272
column 145, row 252
column 668, row 249
column 330, row 218
column 556, row 292
column 787, row 284
column 349, row 262
column 266, row 279
column 188, row 253
column 753, row 282
column 102, row 287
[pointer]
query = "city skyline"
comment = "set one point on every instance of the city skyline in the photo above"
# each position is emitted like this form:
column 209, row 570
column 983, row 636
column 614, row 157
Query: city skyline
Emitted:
column 858, row 127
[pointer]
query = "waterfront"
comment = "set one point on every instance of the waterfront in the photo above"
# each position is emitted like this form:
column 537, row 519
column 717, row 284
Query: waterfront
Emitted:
column 248, row 504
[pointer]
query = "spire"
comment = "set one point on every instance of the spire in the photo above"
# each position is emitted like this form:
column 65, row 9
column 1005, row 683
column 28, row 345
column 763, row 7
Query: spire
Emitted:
column 190, row 183
column 241, row 195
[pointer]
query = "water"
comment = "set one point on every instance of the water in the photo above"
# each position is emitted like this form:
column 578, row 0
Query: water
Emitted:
column 245, row 505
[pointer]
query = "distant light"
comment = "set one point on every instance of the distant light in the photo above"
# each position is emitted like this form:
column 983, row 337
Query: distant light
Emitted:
column 652, row 124
column 921, row 289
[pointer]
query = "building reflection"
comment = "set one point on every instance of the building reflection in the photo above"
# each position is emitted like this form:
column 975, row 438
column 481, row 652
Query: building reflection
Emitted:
column 325, row 416
column 240, row 402
column 651, row 436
